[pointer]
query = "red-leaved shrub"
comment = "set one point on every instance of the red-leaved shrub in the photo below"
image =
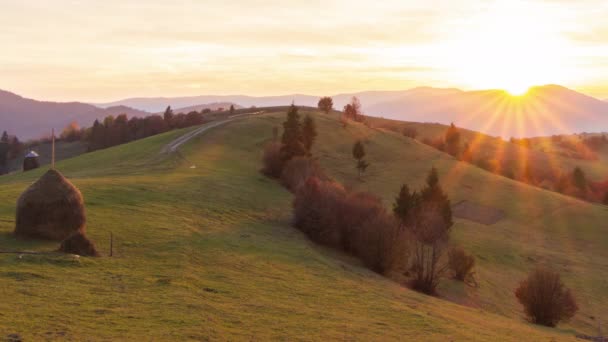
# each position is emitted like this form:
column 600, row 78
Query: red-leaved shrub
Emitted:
column 272, row 162
column 460, row 263
column 298, row 170
column 315, row 210
column 545, row 299
column 356, row 223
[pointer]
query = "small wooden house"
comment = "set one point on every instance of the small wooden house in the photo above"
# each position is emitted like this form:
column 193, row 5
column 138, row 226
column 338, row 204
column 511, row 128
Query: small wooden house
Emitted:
column 30, row 161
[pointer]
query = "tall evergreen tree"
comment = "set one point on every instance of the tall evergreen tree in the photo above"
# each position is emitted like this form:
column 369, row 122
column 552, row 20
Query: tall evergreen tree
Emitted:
column 404, row 205
column 579, row 179
column 4, row 148
column 433, row 193
column 452, row 140
column 16, row 147
column 292, row 142
column 359, row 154
column 231, row 109
column 121, row 128
column 309, row 133
column 4, row 138
column 97, row 139
column 168, row 116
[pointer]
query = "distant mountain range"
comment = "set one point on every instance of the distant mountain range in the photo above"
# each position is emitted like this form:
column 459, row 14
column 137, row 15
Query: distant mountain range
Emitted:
column 158, row 104
column 545, row 110
column 29, row 118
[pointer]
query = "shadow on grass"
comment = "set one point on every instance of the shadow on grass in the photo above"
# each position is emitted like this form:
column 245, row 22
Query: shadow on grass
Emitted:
column 9, row 243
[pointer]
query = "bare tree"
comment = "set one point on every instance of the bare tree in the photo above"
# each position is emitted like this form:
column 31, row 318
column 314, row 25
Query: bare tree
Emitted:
column 430, row 233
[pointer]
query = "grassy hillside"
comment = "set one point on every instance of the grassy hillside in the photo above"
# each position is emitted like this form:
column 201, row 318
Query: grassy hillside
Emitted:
column 208, row 252
column 539, row 226
column 544, row 155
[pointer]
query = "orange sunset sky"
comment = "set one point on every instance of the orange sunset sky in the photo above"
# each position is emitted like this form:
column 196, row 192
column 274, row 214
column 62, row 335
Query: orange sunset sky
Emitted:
column 99, row 51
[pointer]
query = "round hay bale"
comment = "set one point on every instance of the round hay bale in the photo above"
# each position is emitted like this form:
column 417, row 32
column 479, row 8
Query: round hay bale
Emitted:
column 52, row 208
column 78, row 244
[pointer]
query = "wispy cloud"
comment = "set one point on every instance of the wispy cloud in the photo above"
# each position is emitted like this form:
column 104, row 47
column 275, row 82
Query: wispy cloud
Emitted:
column 96, row 50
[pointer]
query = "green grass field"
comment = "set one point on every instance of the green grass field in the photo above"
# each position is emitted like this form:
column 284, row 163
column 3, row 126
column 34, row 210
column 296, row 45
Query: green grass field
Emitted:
column 207, row 253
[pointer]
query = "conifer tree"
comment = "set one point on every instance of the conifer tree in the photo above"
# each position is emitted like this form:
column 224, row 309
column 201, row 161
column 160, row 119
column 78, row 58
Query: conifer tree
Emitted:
column 579, row 179
column 96, row 139
column 452, row 140
column 359, row 154
column 4, row 147
column 292, row 144
column 404, row 205
column 168, row 116
column 309, row 133
column 428, row 216
column 433, row 193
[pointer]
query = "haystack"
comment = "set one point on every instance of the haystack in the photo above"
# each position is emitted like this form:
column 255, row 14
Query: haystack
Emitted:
column 52, row 208
column 78, row 243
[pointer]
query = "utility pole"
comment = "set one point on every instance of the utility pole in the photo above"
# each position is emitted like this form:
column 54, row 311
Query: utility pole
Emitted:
column 53, row 149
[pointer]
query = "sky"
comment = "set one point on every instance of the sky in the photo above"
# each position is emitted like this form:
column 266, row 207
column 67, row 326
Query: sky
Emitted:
column 100, row 51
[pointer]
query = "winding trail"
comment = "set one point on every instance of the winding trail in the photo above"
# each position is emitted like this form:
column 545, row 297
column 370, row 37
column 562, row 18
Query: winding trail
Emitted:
column 175, row 144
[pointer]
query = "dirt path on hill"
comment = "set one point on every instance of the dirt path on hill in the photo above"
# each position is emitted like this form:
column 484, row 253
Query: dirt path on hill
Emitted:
column 175, row 144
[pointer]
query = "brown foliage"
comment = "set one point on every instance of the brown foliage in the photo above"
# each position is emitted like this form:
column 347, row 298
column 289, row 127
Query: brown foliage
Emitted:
column 352, row 111
column 356, row 223
column 71, row 132
column 460, row 263
column 326, row 104
column 272, row 162
column 452, row 140
column 298, row 170
column 315, row 207
column 545, row 299
column 410, row 132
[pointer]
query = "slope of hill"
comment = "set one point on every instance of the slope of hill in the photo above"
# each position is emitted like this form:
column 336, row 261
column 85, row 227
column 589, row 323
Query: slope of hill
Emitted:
column 29, row 118
column 208, row 252
column 542, row 158
column 158, row 104
column 211, row 106
column 539, row 227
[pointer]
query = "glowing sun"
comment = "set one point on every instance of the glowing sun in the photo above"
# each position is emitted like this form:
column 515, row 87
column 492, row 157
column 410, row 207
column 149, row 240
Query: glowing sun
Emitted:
column 507, row 47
